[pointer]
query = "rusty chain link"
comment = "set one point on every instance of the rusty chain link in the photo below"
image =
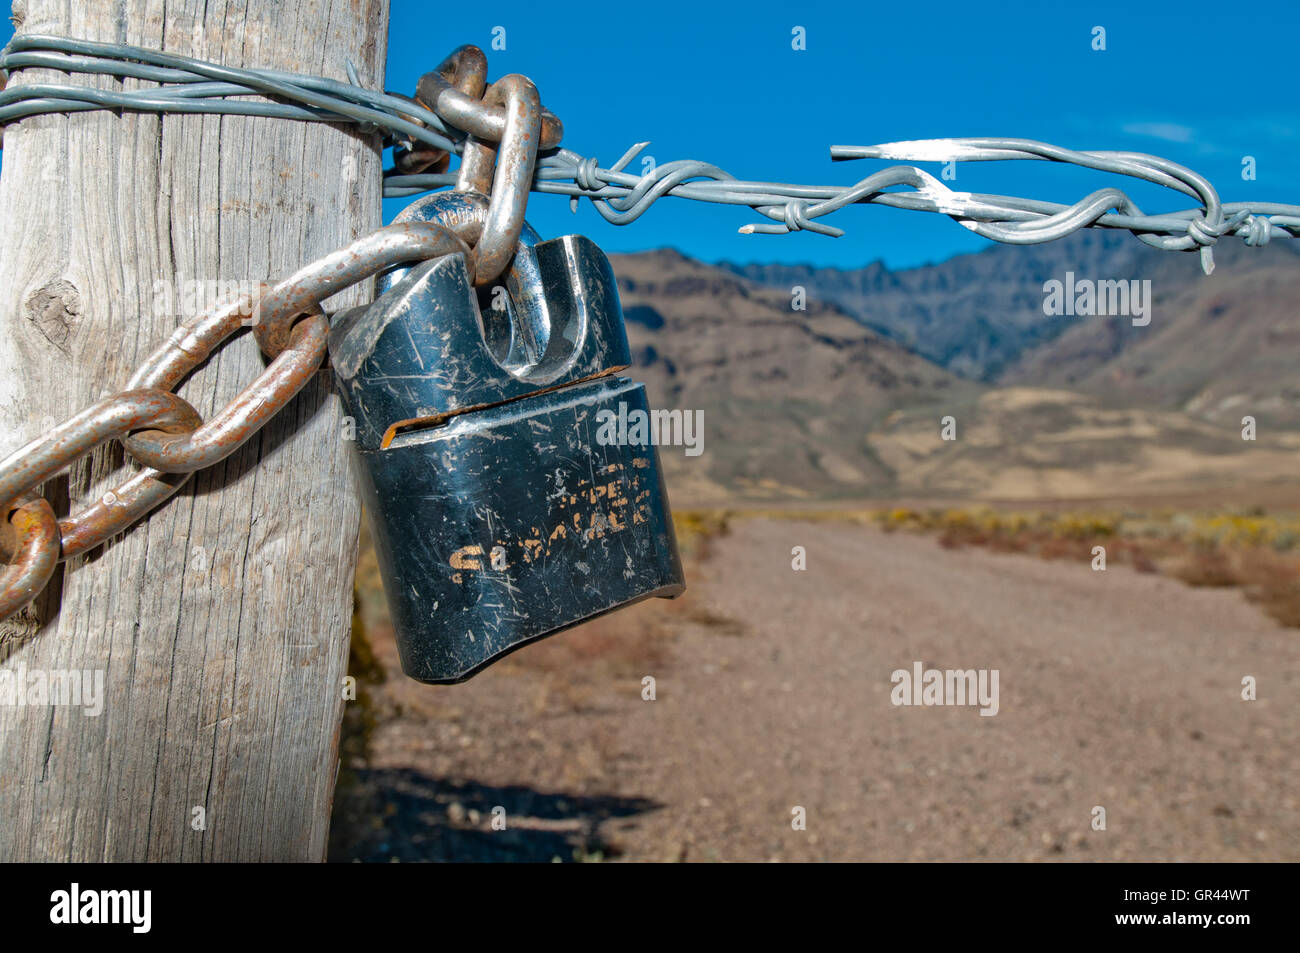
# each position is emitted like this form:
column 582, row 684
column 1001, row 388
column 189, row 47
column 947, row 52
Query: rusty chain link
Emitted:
column 503, row 124
column 162, row 431
column 35, row 538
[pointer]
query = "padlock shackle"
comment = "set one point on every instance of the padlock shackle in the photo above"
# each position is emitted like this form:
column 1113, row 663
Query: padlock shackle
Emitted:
column 521, row 333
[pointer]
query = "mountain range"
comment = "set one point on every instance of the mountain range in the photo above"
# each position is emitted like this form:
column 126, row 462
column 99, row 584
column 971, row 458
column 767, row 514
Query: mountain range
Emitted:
column 846, row 397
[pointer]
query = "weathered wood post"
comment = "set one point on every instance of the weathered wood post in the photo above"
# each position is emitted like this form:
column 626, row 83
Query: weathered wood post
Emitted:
column 221, row 624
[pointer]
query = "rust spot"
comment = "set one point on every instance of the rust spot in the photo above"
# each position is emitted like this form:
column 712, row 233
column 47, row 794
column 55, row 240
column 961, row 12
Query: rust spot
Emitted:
column 460, row 558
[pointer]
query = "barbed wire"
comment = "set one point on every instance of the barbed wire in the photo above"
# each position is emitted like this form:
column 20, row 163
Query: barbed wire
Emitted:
column 187, row 85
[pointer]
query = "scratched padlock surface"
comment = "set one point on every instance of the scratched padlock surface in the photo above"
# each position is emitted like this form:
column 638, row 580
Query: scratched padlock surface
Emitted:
column 499, row 517
column 513, row 523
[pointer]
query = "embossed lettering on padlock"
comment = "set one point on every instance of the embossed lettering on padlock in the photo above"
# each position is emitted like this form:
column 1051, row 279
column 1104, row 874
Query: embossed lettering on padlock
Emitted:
column 498, row 518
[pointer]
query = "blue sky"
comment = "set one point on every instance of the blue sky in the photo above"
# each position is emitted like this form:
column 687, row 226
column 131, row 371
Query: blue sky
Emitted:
column 1198, row 82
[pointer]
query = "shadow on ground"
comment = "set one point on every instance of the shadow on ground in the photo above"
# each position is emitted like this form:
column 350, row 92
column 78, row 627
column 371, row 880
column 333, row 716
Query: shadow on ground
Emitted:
column 405, row 815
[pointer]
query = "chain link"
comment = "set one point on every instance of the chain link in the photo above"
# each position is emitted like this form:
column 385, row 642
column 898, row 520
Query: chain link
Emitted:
column 508, row 113
column 30, row 466
column 36, row 544
column 162, row 431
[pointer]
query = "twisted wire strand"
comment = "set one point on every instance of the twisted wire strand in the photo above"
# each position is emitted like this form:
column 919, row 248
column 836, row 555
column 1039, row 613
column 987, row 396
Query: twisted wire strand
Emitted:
column 187, row 85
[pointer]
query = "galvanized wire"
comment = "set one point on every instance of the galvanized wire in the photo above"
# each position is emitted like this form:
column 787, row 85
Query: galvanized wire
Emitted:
column 188, row 85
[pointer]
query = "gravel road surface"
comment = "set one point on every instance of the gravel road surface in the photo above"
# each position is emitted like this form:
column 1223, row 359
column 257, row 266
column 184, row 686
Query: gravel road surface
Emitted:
column 1116, row 689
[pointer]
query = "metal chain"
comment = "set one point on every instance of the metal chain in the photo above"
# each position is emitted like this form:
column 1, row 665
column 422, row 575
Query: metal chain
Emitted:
column 166, row 434
column 162, row 431
column 502, row 127
column 424, row 139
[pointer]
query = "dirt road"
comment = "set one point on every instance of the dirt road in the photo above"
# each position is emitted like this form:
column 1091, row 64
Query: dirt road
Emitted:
column 1117, row 689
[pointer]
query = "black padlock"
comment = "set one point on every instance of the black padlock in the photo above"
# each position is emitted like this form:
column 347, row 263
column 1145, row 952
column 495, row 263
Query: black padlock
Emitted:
column 498, row 518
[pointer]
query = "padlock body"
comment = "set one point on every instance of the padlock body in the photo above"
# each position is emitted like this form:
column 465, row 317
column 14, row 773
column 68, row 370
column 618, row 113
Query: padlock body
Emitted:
column 511, row 522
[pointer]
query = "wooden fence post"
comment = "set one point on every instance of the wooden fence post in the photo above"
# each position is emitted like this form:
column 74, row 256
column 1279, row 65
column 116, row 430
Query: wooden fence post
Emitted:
column 220, row 625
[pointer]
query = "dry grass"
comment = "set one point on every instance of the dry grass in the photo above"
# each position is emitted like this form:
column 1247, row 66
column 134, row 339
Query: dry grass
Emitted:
column 1252, row 549
column 697, row 529
column 1275, row 585
column 1256, row 551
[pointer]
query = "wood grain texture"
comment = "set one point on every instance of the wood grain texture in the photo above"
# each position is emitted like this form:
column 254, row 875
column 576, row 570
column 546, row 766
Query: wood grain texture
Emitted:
column 221, row 624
